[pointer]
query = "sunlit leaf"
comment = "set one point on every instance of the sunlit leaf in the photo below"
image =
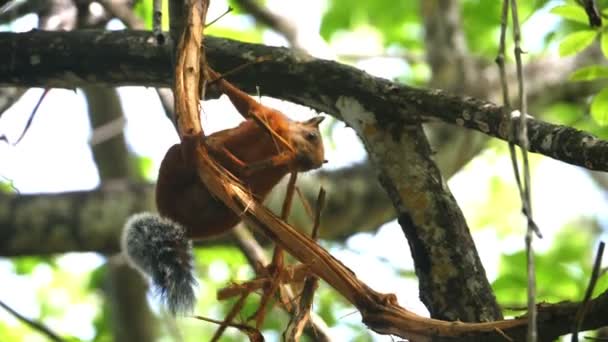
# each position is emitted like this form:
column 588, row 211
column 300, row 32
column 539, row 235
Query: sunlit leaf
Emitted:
column 571, row 12
column 602, row 283
column 6, row 188
column 599, row 107
column 576, row 42
column 25, row 265
column 590, row 73
column 145, row 168
column 143, row 9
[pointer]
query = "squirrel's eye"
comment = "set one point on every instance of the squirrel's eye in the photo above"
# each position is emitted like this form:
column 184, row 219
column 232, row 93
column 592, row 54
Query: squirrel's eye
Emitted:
column 311, row 136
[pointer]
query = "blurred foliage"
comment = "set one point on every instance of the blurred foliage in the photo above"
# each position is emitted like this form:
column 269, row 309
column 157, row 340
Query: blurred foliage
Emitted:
column 145, row 168
column 7, row 187
column 577, row 41
column 562, row 272
column 397, row 21
column 144, row 10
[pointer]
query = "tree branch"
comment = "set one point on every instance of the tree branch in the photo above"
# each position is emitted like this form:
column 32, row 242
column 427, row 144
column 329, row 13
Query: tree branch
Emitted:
column 92, row 221
column 71, row 59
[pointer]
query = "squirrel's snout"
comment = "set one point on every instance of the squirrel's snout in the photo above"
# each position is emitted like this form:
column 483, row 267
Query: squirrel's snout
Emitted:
column 307, row 162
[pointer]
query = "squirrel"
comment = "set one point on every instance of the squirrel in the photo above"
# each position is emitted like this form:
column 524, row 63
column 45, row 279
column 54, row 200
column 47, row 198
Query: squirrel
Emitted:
column 259, row 152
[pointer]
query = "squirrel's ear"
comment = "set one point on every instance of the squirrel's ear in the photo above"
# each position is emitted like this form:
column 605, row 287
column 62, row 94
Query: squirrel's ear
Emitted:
column 315, row 121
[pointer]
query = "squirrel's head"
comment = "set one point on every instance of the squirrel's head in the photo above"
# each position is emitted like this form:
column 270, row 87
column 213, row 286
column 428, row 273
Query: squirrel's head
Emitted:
column 307, row 141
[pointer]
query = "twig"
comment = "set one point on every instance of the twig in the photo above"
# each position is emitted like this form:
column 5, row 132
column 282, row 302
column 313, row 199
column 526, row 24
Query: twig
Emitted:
column 302, row 310
column 277, row 265
column 227, row 322
column 526, row 202
column 38, row 326
column 593, row 13
column 230, row 9
column 305, row 204
column 254, row 334
column 318, row 211
column 257, row 258
column 507, row 109
column 524, row 190
column 582, row 311
column 32, row 115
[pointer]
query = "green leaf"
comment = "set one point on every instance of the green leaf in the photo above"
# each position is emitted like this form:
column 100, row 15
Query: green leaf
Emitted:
column 599, row 107
column 576, row 42
column 145, row 168
column 571, row 12
column 589, row 73
column 26, row 265
column 604, row 44
column 6, row 188
column 143, row 9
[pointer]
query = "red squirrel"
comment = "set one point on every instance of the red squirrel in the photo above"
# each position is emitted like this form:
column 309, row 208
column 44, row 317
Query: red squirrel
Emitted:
column 259, row 152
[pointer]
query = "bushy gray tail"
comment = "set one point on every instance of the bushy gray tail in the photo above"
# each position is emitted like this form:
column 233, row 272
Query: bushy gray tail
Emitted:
column 159, row 248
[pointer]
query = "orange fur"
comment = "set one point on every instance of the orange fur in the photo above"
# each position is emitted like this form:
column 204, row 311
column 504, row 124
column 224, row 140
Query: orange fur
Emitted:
column 249, row 151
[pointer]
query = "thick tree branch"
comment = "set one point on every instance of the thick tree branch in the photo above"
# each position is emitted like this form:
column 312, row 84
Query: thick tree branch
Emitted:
column 91, row 221
column 71, row 59
column 76, row 221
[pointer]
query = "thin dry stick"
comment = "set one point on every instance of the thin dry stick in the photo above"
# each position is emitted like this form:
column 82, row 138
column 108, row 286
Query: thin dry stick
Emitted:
column 253, row 334
column 595, row 274
column 220, row 17
column 507, row 109
column 305, row 203
column 227, row 322
column 256, row 257
column 302, row 310
column 278, row 262
column 38, row 326
column 524, row 144
column 32, row 115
